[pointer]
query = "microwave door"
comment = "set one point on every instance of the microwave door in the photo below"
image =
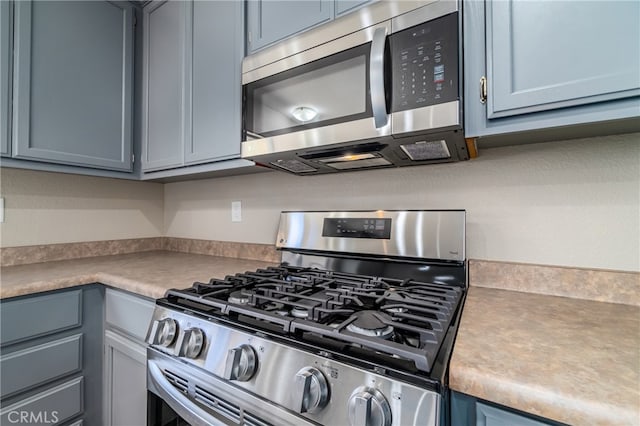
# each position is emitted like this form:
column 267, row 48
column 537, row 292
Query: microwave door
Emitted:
column 322, row 102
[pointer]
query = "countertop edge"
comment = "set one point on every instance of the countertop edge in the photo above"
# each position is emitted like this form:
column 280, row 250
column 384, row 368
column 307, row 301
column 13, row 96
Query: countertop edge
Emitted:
column 110, row 280
column 538, row 401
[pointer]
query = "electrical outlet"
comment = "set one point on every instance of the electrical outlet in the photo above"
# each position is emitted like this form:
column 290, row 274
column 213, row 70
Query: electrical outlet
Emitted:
column 236, row 211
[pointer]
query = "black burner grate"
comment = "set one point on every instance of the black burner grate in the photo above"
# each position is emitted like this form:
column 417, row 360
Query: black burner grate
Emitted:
column 323, row 306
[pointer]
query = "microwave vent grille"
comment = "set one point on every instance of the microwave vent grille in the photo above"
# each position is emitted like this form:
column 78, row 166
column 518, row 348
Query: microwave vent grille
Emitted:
column 294, row 166
column 427, row 150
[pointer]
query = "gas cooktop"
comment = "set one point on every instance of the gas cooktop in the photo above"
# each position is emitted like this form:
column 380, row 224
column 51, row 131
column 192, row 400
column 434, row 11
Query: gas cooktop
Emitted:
column 385, row 317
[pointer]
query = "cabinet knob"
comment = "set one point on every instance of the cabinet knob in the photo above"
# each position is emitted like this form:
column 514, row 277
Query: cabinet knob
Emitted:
column 241, row 363
column 369, row 407
column 310, row 391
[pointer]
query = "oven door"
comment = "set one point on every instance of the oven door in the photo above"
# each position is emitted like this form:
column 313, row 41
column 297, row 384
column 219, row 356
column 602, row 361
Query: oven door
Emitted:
column 331, row 94
column 180, row 395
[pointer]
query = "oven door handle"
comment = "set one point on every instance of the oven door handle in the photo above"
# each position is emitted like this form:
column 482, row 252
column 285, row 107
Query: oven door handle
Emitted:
column 180, row 403
column 376, row 77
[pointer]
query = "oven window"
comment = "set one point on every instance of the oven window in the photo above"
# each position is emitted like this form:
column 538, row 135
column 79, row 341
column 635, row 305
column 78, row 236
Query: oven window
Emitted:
column 327, row 91
column 160, row 414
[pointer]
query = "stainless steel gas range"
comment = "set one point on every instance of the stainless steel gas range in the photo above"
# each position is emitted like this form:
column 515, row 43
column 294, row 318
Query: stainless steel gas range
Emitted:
column 355, row 327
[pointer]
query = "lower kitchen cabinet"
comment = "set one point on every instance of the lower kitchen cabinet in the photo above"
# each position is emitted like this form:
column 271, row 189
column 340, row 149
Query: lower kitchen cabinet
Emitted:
column 469, row 411
column 125, row 363
column 51, row 358
column 125, row 367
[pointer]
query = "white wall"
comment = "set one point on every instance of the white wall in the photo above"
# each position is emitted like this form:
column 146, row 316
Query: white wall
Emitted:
column 48, row 208
column 573, row 203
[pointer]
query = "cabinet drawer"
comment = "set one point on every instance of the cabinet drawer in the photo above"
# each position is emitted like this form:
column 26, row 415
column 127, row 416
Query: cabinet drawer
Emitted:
column 129, row 313
column 40, row 315
column 491, row 416
column 51, row 406
column 40, row 364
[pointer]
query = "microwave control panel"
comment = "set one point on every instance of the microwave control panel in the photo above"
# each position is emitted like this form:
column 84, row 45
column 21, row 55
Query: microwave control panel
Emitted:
column 424, row 64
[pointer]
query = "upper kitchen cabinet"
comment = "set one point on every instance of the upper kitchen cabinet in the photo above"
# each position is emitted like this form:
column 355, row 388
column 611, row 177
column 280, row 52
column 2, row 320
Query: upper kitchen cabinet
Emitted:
column 346, row 6
column 165, row 90
column 192, row 93
column 537, row 65
column 5, row 76
column 269, row 21
column 216, row 100
column 72, row 83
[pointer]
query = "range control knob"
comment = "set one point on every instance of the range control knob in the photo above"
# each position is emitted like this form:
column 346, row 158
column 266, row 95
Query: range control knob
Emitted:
column 369, row 407
column 163, row 332
column 310, row 391
column 241, row 363
column 190, row 343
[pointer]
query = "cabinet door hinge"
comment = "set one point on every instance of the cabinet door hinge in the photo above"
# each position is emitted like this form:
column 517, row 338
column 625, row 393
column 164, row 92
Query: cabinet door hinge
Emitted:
column 483, row 89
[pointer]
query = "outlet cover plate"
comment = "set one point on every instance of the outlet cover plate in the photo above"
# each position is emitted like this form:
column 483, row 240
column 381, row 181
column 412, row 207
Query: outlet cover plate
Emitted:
column 236, row 211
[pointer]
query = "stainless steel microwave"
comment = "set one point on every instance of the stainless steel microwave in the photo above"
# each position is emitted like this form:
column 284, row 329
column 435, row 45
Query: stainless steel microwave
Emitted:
column 385, row 91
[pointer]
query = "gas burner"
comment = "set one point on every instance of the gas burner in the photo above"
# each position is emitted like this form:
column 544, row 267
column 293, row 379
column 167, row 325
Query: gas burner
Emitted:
column 396, row 310
column 300, row 312
column 239, row 298
column 372, row 324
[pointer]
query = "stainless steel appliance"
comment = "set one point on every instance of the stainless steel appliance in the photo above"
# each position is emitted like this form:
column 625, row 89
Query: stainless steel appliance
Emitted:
column 386, row 93
column 355, row 327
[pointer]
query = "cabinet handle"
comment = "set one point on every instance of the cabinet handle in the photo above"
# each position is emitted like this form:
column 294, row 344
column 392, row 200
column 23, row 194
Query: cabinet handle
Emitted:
column 483, row 89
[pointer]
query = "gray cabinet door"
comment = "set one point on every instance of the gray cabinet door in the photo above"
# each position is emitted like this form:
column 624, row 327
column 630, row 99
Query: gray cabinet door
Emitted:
column 347, row 6
column 535, row 65
column 270, row 21
column 5, row 76
column 40, row 364
column 73, row 82
column 218, row 48
column 166, row 83
column 128, row 313
column 548, row 55
column 29, row 317
column 125, row 381
column 53, row 405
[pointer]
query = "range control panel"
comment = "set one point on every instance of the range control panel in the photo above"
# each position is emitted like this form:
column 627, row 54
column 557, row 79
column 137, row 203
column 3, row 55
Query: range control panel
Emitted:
column 377, row 228
column 424, row 64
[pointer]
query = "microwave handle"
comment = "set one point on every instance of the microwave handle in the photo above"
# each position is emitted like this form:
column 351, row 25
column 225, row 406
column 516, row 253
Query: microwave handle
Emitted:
column 376, row 77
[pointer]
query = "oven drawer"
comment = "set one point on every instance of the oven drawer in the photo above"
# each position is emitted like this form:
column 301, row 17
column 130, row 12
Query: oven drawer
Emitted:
column 52, row 406
column 40, row 364
column 30, row 317
column 128, row 313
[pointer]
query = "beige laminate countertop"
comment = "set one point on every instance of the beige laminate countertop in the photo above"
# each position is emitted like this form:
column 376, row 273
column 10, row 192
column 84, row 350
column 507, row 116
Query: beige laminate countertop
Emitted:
column 571, row 360
column 149, row 274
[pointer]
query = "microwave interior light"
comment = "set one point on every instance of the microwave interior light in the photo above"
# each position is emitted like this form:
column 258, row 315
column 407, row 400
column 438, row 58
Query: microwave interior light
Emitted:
column 348, row 157
column 304, row 114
